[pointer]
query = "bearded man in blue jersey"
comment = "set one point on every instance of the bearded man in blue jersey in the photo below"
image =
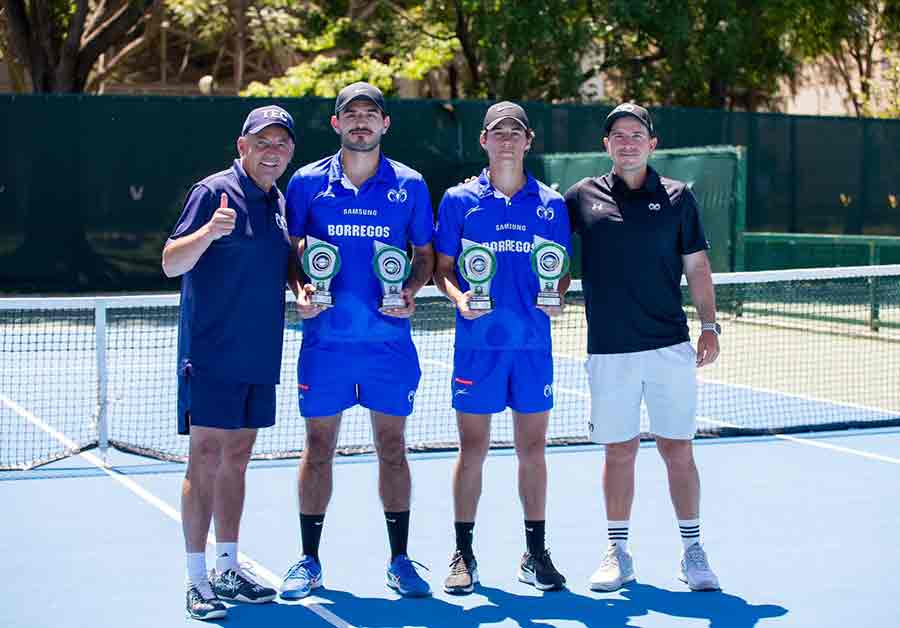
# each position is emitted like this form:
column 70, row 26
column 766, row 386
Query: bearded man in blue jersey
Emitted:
column 502, row 358
column 351, row 200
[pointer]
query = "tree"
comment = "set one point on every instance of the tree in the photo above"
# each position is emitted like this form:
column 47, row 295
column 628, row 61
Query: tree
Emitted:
column 851, row 37
column 704, row 53
column 61, row 42
column 376, row 41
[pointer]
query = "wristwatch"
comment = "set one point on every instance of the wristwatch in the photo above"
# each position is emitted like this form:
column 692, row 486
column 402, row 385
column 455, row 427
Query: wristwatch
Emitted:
column 713, row 327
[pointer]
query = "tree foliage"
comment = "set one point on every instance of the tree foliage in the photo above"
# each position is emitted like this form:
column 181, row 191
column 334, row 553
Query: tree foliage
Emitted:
column 853, row 38
column 61, row 42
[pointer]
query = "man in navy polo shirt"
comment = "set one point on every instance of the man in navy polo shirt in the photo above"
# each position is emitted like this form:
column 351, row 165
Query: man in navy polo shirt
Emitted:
column 232, row 247
column 640, row 233
column 502, row 358
column 356, row 352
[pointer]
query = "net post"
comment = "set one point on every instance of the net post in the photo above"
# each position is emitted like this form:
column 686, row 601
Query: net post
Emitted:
column 102, row 379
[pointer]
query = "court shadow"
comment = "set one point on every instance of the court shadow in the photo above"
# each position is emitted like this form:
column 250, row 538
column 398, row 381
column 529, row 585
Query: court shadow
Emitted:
column 490, row 605
column 721, row 609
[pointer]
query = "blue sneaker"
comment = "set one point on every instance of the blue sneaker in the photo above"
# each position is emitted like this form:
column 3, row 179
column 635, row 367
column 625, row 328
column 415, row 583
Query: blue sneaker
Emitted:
column 301, row 578
column 403, row 578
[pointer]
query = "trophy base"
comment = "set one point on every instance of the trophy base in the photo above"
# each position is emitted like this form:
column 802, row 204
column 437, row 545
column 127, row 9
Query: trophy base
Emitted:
column 549, row 299
column 321, row 298
column 481, row 304
column 393, row 301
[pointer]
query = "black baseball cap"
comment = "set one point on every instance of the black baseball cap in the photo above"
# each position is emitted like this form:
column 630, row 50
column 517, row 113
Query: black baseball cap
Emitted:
column 505, row 110
column 356, row 91
column 629, row 109
column 261, row 117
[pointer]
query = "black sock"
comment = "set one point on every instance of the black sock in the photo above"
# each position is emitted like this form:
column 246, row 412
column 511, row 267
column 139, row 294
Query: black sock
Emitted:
column 534, row 537
column 311, row 533
column 398, row 531
column 464, row 532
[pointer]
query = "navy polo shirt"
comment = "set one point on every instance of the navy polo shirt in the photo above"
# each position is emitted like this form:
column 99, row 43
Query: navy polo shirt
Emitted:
column 232, row 300
column 392, row 207
column 478, row 212
column 632, row 243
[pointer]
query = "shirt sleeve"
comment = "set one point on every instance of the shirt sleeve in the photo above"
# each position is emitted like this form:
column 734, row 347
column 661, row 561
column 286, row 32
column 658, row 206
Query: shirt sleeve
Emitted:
column 574, row 214
column 562, row 232
column 198, row 209
column 691, row 237
column 422, row 228
column 448, row 231
column 296, row 206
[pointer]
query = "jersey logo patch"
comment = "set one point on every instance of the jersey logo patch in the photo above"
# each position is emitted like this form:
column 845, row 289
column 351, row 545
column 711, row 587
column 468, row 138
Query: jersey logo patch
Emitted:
column 473, row 210
column 607, row 211
column 397, row 196
column 654, row 207
column 545, row 213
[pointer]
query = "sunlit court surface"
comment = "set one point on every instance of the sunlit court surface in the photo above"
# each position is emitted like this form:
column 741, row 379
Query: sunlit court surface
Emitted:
column 799, row 525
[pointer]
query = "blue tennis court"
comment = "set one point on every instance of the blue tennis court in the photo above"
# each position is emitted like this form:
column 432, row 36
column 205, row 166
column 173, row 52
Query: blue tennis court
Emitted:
column 799, row 530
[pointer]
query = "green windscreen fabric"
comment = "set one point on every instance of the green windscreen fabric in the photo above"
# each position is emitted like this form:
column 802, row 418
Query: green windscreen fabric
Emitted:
column 90, row 186
column 715, row 174
column 778, row 251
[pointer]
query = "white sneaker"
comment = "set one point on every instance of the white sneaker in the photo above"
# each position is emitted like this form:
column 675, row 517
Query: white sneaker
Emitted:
column 616, row 569
column 695, row 570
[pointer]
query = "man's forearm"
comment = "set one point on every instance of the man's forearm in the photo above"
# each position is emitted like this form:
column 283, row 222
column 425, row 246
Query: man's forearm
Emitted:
column 703, row 294
column 422, row 271
column 181, row 255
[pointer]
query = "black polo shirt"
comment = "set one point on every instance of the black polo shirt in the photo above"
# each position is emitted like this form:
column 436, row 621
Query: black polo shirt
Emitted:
column 632, row 243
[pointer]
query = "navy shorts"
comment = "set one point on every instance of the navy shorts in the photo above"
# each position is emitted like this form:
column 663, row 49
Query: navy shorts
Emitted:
column 380, row 376
column 211, row 402
column 486, row 382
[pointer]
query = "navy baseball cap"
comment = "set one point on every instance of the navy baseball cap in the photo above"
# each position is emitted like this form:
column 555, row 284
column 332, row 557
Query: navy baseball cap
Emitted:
column 356, row 91
column 261, row 117
column 629, row 109
column 505, row 110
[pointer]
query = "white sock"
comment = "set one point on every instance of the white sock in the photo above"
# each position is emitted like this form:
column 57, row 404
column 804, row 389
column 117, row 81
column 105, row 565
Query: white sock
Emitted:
column 618, row 533
column 196, row 572
column 690, row 531
column 226, row 557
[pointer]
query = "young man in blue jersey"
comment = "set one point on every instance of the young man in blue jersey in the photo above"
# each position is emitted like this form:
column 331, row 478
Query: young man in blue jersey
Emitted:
column 502, row 358
column 232, row 248
column 641, row 232
column 355, row 351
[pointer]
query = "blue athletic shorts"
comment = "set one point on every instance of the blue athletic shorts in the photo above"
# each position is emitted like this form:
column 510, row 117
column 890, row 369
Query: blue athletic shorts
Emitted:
column 485, row 382
column 211, row 402
column 380, row 376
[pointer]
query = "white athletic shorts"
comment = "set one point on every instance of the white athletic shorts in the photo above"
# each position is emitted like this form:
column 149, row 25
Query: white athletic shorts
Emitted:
column 665, row 378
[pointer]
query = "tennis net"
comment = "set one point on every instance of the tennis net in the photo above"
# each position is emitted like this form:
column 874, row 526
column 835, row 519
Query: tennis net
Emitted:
column 801, row 350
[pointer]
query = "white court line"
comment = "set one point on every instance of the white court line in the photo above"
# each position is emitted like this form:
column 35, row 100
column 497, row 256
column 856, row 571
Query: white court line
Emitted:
column 815, row 443
column 314, row 604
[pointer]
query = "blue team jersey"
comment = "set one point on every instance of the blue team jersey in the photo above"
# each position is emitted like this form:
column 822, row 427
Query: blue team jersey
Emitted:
column 392, row 207
column 476, row 211
column 232, row 300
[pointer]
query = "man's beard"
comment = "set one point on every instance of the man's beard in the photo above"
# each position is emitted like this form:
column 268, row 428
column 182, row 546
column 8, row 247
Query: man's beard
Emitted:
column 347, row 143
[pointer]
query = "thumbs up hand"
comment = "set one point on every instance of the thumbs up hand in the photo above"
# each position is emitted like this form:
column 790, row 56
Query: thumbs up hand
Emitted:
column 222, row 221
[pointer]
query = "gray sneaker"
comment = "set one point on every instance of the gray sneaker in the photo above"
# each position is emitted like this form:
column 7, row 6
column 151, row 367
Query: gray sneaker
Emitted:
column 616, row 569
column 695, row 570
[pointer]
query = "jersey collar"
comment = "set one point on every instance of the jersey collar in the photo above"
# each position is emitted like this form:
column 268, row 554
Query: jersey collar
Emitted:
column 486, row 188
column 384, row 174
column 617, row 184
column 252, row 192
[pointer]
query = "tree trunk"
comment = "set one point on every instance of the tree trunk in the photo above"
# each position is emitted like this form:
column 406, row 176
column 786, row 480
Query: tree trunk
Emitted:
column 239, row 14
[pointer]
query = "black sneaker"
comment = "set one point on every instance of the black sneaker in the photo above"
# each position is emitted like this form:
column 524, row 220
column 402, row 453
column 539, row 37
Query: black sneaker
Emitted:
column 199, row 607
column 235, row 585
column 463, row 574
column 539, row 572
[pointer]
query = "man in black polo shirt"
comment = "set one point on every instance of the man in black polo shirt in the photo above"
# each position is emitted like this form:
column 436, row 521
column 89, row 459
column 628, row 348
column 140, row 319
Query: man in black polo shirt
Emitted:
column 639, row 233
